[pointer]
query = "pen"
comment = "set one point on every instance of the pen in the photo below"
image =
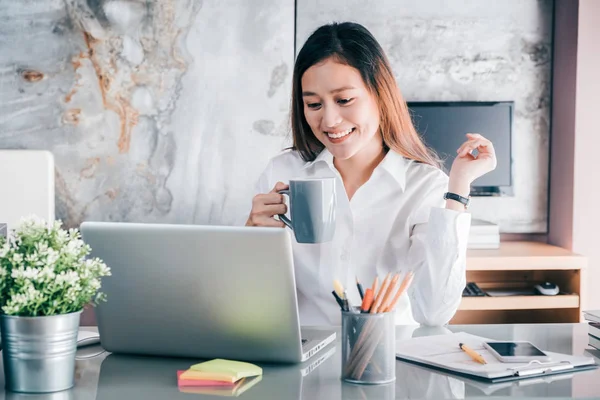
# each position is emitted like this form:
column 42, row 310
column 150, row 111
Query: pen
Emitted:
column 472, row 353
column 346, row 302
column 338, row 299
column 360, row 289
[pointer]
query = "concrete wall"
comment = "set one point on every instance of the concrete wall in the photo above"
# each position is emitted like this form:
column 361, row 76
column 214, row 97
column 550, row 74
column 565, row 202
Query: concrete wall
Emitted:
column 155, row 111
column 167, row 111
column 473, row 51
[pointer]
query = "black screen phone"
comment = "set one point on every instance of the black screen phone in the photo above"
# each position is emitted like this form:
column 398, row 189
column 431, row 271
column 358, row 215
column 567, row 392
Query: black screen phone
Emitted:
column 515, row 349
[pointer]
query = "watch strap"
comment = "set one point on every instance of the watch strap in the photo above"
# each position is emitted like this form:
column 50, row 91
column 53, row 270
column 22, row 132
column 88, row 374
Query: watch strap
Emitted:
column 456, row 197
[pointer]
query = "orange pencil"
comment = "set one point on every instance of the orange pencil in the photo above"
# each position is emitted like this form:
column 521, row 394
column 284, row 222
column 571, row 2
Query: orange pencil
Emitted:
column 367, row 301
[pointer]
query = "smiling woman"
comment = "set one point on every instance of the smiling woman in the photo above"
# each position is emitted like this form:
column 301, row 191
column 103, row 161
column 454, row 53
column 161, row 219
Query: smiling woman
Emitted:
column 396, row 211
column 330, row 76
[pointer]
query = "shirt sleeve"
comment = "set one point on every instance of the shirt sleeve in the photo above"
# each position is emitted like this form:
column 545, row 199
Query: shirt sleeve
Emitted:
column 437, row 255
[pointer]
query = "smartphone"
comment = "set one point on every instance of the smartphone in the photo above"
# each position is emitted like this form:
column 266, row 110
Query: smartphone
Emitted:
column 515, row 351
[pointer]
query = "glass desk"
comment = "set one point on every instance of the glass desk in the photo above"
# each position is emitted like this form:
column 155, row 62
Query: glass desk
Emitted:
column 111, row 376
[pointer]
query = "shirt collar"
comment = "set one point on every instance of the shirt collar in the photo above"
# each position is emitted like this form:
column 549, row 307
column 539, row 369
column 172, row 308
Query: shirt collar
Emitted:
column 324, row 156
column 396, row 166
column 393, row 163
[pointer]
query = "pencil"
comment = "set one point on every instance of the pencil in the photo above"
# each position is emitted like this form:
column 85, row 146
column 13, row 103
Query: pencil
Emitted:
column 379, row 296
column 472, row 353
column 374, row 287
column 360, row 289
column 389, row 293
column 403, row 286
column 367, row 301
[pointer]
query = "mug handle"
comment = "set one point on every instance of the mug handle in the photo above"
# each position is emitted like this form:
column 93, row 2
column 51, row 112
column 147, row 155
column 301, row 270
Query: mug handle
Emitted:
column 282, row 217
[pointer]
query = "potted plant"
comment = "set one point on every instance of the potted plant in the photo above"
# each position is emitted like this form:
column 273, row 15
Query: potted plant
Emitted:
column 46, row 279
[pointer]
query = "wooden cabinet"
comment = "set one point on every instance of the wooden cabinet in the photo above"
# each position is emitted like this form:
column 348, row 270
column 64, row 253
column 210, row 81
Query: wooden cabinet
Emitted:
column 520, row 265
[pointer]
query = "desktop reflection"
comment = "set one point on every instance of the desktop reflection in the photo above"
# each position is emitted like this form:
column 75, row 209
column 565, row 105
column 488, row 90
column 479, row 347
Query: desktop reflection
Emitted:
column 138, row 377
column 111, row 376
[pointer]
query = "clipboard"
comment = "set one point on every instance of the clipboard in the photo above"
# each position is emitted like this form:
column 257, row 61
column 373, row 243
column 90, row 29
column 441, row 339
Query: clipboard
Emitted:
column 441, row 352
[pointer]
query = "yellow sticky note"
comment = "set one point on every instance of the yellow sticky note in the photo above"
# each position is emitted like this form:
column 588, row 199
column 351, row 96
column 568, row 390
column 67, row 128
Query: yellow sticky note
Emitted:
column 222, row 370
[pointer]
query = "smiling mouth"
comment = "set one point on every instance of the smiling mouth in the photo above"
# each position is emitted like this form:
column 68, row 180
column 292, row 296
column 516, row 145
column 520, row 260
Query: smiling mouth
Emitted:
column 340, row 134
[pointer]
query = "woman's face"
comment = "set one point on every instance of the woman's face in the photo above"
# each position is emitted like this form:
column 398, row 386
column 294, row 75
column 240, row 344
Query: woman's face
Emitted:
column 339, row 108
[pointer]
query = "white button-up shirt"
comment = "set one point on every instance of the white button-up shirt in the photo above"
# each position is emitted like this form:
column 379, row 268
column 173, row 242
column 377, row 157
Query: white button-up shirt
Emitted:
column 395, row 222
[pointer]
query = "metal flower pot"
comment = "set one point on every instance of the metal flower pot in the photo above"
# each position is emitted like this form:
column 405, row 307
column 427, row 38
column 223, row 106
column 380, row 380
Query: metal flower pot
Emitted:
column 39, row 352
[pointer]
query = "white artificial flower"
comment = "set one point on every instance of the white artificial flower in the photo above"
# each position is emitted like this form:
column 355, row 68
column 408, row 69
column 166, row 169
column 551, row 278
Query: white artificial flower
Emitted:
column 52, row 256
column 4, row 250
column 17, row 273
column 11, row 309
column 46, row 274
column 36, row 285
column 31, row 273
column 67, row 278
column 20, row 301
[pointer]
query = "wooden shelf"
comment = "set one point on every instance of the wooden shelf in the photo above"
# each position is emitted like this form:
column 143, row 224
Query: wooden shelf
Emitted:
column 524, row 256
column 544, row 316
column 521, row 265
column 519, row 302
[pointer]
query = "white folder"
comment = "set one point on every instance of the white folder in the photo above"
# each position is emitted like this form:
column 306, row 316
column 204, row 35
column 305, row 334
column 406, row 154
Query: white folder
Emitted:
column 442, row 352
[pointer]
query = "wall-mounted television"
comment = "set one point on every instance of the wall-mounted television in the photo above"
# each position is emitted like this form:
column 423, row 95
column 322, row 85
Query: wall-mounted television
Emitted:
column 443, row 125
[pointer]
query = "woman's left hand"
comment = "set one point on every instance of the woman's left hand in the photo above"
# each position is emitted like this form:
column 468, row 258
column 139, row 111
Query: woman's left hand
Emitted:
column 468, row 167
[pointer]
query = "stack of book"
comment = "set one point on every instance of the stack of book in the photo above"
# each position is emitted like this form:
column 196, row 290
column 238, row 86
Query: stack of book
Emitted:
column 593, row 318
column 219, row 377
column 483, row 235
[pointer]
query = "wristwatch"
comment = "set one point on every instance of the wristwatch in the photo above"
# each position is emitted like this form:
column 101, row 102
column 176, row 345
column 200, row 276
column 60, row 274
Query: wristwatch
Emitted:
column 456, row 197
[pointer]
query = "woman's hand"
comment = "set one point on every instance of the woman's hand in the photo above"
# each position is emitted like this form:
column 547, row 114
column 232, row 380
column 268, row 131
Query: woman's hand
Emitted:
column 266, row 206
column 468, row 167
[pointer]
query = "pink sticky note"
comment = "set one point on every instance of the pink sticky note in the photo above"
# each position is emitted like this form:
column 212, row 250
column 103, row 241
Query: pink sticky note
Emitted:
column 193, row 382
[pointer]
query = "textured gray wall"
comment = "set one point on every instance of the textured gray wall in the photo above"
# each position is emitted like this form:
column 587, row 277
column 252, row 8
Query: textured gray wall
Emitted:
column 158, row 111
column 444, row 50
column 167, row 111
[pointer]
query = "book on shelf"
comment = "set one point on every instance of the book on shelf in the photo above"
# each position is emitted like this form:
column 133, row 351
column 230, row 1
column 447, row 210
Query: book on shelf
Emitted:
column 594, row 342
column 481, row 227
column 592, row 316
column 594, row 329
column 483, row 246
column 483, row 235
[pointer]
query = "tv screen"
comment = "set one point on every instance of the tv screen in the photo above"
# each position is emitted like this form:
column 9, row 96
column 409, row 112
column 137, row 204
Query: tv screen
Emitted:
column 443, row 126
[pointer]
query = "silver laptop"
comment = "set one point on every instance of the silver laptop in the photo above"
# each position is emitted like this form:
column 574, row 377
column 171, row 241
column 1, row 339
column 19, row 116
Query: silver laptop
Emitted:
column 200, row 291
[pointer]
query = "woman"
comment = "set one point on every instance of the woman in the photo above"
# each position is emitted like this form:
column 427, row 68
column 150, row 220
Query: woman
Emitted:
column 350, row 121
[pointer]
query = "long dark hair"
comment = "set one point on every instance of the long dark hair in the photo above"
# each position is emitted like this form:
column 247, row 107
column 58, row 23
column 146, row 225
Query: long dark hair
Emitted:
column 352, row 44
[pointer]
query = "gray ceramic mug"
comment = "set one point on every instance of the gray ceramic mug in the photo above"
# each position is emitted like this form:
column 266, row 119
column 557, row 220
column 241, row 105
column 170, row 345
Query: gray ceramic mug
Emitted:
column 312, row 209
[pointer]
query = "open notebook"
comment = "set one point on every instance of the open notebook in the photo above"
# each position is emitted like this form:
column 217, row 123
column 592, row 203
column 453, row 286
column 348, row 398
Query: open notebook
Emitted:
column 442, row 352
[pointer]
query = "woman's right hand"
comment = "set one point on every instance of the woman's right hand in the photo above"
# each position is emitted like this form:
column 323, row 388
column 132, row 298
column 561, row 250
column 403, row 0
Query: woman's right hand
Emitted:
column 266, row 206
